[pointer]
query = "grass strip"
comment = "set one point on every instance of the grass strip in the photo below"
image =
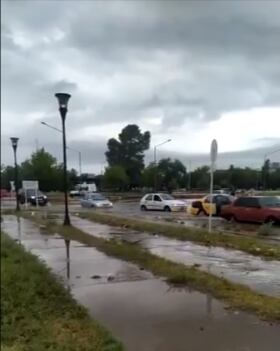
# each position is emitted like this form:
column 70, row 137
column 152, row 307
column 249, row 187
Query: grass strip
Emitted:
column 37, row 313
column 249, row 245
column 236, row 296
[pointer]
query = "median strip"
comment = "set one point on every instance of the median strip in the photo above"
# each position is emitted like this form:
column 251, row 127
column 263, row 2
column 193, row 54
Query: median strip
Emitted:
column 249, row 245
column 237, row 296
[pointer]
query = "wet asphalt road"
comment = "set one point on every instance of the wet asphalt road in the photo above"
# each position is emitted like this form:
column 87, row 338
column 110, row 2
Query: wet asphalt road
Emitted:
column 132, row 210
column 141, row 310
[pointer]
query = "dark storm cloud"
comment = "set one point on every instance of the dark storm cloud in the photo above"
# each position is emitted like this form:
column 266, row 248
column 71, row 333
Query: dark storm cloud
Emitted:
column 228, row 52
column 131, row 60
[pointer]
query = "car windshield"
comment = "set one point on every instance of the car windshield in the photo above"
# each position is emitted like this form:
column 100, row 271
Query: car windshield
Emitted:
column 166, row 197
column 270, row 201
column 97, row 197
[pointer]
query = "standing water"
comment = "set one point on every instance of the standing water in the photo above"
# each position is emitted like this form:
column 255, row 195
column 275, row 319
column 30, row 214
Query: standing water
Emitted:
column 144, row 312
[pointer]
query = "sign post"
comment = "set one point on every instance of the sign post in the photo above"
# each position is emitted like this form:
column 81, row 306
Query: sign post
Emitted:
column 13, row 188
column 213, row 158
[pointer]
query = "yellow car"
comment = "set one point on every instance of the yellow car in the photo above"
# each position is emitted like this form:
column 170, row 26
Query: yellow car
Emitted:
column 206, row 206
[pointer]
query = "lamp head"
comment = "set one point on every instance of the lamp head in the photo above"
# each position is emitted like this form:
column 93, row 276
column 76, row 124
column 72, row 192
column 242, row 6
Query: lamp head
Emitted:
column 63, row 99
column 14, row 142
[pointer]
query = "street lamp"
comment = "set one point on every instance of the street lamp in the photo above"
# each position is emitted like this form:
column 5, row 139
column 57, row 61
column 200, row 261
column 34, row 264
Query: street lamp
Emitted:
column 62, row 103
column 69, row 148
column 14, row 142
column 155, row 161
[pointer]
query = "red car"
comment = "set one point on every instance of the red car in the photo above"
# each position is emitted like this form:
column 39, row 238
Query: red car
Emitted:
column 253, row 209
column 4, row 193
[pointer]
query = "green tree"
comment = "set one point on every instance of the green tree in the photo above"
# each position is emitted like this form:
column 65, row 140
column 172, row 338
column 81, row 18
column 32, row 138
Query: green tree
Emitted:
column 148, row 176
column 42, row 166
column 265, row 173
column 7, row 175
column 201, row 177
column 115, row 177
column 171, row 174
column 72, row 178
column 275, row 179
column 128, row 152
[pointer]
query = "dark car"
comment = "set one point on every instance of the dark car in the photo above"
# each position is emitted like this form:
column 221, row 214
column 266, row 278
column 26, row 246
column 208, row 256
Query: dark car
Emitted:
column 259, row 209
column 32, row 197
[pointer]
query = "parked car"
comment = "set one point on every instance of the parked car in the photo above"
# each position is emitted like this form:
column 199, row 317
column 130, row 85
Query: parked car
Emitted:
column 95, row 200
column 32, row 197
column 253, row 209
column 75, row 193
column 163, row 202
column 207, row 206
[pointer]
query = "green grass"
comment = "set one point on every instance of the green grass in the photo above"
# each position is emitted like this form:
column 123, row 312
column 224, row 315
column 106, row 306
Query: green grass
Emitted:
column 37, row 313
column 236, row 296
column 252, row 246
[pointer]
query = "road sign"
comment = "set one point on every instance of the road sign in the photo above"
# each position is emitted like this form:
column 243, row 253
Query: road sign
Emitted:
column 30, row 184
column 213, row 158
column 13, row 188
column 214, row 151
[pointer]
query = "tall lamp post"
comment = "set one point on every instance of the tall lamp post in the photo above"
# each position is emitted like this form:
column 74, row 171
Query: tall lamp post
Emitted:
column 69, row 148
column 63, row 103
column 14, row 141
column 155, row 161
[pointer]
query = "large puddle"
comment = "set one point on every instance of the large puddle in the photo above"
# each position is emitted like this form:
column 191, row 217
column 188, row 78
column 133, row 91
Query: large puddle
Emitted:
column 236, row 266
column 139, row 309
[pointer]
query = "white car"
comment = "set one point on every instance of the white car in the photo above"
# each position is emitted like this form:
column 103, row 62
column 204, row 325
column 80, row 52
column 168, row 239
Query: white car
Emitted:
column 162, row 202
column 95, row 200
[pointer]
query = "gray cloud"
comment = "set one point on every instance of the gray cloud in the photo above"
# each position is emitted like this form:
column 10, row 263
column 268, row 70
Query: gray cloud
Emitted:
column 253, row 158
column 128, row 61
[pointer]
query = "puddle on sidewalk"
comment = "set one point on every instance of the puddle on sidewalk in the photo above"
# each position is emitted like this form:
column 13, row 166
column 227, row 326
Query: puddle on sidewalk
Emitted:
column 236, row 266
column 144, row 312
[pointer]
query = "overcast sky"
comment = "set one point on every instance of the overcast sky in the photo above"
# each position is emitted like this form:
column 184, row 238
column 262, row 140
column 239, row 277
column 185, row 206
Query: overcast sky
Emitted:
column 189, row 71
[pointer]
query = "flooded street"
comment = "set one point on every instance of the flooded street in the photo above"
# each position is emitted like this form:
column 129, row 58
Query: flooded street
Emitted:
column 144, row 312
column 236, row 266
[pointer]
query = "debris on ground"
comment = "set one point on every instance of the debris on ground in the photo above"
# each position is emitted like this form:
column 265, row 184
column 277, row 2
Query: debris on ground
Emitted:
column 110, row 278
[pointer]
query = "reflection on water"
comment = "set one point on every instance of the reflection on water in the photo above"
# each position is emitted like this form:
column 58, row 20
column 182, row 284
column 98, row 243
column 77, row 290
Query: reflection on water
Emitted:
column 67, row 245
column 19, row 229
column 182, row 288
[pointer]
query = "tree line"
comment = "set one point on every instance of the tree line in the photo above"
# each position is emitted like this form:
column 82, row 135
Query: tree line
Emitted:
column 127, row 171
column 125, row 157
column 41, row 166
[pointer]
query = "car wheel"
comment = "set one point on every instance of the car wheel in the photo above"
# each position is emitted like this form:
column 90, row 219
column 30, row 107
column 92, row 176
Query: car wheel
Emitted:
column 271, row 220
column 232, row 219
column 167, row 209
column 143, row 208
